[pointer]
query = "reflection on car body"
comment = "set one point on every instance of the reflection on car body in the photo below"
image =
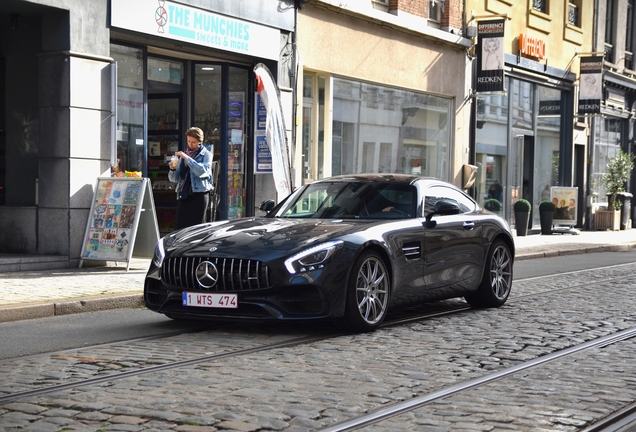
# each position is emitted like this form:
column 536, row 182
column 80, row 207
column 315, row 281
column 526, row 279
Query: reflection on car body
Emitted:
column 345, row 248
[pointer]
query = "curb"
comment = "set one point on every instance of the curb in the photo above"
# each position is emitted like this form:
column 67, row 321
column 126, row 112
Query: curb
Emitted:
column 19, row 313
column 131, row 301
column 592, row 249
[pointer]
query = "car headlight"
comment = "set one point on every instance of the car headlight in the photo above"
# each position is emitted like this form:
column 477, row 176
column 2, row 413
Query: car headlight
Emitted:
column 312, row 258
column 160, row 253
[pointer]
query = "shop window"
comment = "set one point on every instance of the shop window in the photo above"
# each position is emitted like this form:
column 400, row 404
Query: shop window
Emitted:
column 491, row 140
column 547, row 152
column 607, row 142
column 312, row 157
column 207, row 104
column 522, row 105
column 382, row 129
column 165, row 71
column 373, row 129
column 129, row 152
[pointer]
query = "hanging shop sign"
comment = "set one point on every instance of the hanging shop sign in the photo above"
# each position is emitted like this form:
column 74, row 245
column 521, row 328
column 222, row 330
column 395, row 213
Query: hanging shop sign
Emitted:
column 180, row 22
column 490, row 56
column 590, row 82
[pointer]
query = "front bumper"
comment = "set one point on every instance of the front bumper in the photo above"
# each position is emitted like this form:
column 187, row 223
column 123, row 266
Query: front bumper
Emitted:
column 318, row 295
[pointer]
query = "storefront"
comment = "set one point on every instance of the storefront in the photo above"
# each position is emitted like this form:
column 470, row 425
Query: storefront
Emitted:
column 524, row 138
column 93, row 86
column 188, row 66
column 612, row 130
column 381, row 101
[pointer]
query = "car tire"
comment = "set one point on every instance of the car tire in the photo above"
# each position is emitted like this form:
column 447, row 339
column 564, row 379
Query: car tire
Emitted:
column 496, row 282
column 367, row 293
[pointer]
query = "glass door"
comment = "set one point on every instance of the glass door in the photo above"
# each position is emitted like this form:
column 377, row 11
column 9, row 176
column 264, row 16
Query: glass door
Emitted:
column 516, row 175
column 208, row 97
column 165, row 133
column 164, row 136
column 236, row 138
column 220, row 109
column 208, row 92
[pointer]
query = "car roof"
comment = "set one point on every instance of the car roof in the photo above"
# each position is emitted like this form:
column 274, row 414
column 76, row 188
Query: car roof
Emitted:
column 379, row 177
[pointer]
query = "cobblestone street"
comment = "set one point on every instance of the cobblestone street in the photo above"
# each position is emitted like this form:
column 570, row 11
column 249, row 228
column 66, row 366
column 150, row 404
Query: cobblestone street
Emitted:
column 314, row 385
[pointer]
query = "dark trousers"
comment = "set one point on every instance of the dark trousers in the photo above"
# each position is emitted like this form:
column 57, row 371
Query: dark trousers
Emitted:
column 192, row 210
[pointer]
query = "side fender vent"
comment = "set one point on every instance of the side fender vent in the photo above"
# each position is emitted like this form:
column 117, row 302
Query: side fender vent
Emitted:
column 412, row 250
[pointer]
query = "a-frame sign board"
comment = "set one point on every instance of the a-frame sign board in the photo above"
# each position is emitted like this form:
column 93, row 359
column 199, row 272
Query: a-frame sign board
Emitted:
column 122, row 221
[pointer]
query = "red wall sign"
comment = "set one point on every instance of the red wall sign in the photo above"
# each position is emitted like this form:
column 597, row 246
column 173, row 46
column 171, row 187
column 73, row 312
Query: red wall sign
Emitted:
column 531, row 46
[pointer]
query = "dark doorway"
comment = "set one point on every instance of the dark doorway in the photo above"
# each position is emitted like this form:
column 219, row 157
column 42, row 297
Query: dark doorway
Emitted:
column 3, row 146
column 528, row 173
column 579, row 173
column 164, row 139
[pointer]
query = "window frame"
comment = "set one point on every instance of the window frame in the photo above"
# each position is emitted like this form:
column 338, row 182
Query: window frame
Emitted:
column 466, row 204
column 436, row 10
column 629, row 36
column 610, row 34
column 574, row 9
column 542, row 6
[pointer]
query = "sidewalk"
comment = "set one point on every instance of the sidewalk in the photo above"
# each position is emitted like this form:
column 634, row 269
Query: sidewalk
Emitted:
column 37, row 294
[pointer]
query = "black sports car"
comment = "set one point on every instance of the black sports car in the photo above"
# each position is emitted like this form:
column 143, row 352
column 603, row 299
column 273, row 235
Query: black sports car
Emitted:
column 346, row 248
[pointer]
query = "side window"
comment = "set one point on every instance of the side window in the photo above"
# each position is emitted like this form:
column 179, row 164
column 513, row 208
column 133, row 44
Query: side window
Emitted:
column 309, row 204
column 443, row 193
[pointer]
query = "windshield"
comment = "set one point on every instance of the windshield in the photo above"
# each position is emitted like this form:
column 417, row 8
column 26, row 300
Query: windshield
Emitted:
column 354, row 200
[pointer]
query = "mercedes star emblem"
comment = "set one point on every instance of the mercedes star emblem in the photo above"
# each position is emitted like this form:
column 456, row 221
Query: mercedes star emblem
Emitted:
column 207, row 274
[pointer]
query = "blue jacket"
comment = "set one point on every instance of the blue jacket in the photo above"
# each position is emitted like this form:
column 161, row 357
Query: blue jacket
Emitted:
column 200, row 171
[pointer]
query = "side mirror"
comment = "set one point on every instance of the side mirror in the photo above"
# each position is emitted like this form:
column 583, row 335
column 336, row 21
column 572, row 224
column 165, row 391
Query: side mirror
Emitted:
column 442, row 208
column 445, row 208
column 267, row 206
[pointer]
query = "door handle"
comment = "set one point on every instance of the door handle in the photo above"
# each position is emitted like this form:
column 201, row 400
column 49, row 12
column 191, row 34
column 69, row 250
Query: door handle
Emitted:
column 469, row 225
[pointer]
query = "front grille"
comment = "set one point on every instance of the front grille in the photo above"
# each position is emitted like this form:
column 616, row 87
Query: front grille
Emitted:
column 233, row 274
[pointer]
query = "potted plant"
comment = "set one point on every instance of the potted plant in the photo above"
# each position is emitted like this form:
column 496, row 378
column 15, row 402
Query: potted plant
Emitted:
column 619, row 169
column 522, row 209
column 546, row 216
column 492, row 205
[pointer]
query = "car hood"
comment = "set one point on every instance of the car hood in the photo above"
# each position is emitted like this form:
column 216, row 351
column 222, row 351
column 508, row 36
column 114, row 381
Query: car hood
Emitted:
column 259, row 238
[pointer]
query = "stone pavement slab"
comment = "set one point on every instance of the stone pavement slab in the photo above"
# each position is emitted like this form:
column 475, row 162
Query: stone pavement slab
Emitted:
column 43, row 293
column 541, row 246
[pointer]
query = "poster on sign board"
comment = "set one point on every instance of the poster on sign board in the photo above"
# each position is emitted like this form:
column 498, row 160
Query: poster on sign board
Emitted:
column 565, row 204
column 113, row 231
